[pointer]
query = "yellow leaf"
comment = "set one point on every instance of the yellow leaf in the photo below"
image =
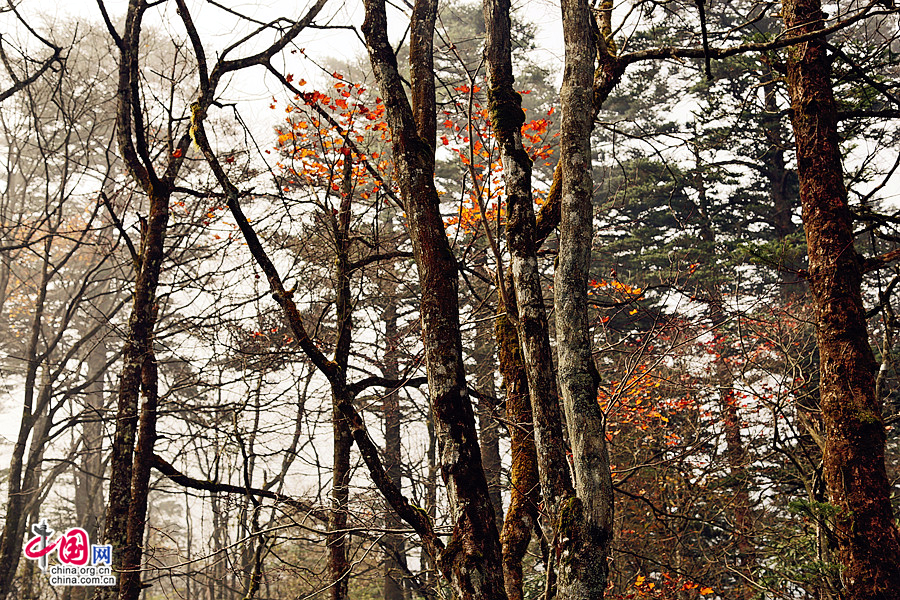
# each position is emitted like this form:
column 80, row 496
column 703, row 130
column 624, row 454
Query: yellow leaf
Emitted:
column 706, row 590
column 639, row 581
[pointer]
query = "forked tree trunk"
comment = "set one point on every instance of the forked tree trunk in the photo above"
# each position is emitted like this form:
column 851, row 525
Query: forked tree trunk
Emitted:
column 471, row 561
column 135, row 433
column 525, row 350
column 580, row 519
column 868, row 543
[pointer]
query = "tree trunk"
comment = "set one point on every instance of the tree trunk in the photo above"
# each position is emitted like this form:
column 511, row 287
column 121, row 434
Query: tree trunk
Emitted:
column 135, row 433
column 339, row 564
column 780, row 196
column 868, row 543
column 488, row 427
column 394, row 551
column 532, row 353
column 23, row 468
column 89, row 474
column 585, row 522
column 524, row 490
column 472, row 560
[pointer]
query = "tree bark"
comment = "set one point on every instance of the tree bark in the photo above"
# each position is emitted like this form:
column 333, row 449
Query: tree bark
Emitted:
column 526, row 350
column 337, row 521
column 135, row 433
column 488, row 427
column 472, row 560
column 22, row 484
column 394, row 553
column 585, row 521
column 868, row 542
column 524, row 486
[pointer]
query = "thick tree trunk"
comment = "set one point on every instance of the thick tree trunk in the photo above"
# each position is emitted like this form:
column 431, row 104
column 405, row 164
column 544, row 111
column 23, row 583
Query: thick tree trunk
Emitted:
column 868, row 543
column 585, row 522
column 472, row 560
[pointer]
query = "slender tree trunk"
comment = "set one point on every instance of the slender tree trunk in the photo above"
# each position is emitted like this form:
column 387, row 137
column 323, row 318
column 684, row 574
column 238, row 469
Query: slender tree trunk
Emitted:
column 89, row 474
column 532, row 336
column 524, row 493
column 338, row 550
column 472, row 560
column 868, row 543
column 488, row 427
column 780, row 196
column 22, row 482
column 339, row 566
column 394, row 553
column 735, row 451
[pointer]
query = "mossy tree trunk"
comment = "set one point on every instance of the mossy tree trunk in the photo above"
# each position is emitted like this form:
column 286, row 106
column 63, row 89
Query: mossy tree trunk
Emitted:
column 585, row 521
column 524, row 493
column 868, row 543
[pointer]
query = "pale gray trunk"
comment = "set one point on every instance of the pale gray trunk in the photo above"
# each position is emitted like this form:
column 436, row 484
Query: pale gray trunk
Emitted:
column 585, row 525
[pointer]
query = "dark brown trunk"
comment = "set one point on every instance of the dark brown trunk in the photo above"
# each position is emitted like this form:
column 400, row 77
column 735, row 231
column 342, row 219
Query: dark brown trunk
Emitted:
column 868, row 543
column 394, row 551
column 135, row 433
column 339, row 564
column 471, row 561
